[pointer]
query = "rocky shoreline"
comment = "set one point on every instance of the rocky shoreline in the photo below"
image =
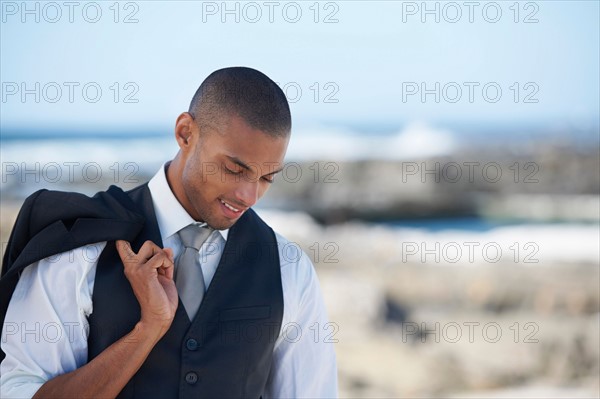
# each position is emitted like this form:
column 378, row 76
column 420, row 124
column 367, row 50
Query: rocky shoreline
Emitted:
column 545, row 180
column 414, row 329
column 542, row 184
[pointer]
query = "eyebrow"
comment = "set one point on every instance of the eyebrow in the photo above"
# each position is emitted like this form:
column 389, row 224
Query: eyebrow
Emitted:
column 237, row 161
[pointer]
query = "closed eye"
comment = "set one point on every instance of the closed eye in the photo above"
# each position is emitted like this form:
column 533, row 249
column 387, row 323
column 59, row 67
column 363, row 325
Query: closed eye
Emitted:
column 232, row 172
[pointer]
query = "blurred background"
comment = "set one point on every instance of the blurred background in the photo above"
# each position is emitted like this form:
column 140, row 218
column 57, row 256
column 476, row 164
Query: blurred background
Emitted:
column 443, row 173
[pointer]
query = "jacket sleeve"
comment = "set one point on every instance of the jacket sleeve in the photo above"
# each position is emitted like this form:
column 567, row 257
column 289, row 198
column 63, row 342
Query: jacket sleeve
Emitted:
column 18, row 239
column 20, row 233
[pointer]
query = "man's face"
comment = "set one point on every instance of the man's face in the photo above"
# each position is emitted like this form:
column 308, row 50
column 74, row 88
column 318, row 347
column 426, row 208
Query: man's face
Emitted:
column 227, row 171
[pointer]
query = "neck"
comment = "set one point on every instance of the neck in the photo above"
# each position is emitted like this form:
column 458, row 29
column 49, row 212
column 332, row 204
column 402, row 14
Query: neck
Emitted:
column 174, row 175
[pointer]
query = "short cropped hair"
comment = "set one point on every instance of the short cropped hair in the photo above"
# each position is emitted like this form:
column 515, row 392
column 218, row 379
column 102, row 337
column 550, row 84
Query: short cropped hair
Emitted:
column 244, row 92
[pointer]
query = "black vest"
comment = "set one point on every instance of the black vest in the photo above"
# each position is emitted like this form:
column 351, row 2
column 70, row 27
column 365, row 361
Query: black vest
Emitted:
column 226, row 351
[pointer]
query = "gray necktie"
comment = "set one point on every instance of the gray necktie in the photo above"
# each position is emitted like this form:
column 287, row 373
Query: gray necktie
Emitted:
column 188, row 272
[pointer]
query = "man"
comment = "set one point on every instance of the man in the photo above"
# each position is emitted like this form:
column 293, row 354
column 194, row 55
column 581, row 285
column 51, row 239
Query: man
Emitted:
column 156, row 315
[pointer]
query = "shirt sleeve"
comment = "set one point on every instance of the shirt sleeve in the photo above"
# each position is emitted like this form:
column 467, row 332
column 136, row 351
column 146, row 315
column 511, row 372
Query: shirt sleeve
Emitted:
column 304, row 362
column 45, row 330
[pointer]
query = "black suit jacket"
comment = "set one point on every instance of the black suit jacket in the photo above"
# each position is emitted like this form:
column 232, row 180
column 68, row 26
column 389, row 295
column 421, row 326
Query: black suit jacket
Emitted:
column 52, row 222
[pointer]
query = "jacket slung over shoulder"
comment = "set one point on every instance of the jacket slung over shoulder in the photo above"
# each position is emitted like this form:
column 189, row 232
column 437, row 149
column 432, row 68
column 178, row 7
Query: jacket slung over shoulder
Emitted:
column 52, row 222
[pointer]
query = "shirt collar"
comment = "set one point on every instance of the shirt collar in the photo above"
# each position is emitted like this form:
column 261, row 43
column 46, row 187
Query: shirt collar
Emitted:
column 170, row 215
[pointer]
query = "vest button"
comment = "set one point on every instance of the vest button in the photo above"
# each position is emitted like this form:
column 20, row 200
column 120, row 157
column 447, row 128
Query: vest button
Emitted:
column 191, row 344
column 191, row 378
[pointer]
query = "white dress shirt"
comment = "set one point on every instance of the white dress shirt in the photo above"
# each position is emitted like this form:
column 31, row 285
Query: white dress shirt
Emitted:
column 45, row 331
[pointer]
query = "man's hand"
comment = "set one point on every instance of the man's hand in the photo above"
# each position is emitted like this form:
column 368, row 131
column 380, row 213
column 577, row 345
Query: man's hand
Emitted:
column 150, row 273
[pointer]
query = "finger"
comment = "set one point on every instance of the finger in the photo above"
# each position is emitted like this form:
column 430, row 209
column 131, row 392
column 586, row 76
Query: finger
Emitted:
column 148, row 250
column 170, row 271
column 169, row 251
column 167, row 272
column 125, row 251
column 160, row 260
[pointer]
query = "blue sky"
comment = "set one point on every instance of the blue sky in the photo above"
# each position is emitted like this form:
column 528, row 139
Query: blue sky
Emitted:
column 357, row 69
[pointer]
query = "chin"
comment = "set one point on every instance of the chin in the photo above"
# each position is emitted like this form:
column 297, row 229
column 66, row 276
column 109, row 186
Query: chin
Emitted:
column 219, row 223
column 223, row 225
column 215, row 217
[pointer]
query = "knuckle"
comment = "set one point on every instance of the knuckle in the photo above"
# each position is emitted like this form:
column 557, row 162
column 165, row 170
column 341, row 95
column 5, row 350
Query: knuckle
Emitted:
column 151, row 244
column 128, row 259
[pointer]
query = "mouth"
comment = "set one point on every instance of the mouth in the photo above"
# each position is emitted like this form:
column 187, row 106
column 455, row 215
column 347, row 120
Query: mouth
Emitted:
column 230, row 210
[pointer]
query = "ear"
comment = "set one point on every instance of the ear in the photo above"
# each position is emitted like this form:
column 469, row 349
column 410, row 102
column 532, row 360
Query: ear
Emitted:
column 185, row 129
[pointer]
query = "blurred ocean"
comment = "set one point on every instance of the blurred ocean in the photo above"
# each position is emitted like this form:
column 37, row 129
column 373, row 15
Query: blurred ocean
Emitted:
column 91, row 162
column 63, row 158
column 329, row 143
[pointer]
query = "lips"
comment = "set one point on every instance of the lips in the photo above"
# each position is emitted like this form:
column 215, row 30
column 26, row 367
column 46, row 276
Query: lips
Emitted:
column 230, row 210
column 229, row 206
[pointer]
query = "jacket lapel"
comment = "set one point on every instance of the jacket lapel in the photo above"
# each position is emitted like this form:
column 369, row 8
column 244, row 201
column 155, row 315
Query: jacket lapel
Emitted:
column 142, row 199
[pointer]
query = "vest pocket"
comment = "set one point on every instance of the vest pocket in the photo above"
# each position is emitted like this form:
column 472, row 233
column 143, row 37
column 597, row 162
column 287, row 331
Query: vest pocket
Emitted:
column 246, row 313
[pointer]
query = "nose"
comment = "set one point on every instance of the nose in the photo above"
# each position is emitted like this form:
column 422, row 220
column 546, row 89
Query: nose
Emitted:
column 247, row 193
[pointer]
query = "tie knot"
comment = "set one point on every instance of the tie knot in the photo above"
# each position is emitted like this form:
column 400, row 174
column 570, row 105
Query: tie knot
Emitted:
column 193, row 235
